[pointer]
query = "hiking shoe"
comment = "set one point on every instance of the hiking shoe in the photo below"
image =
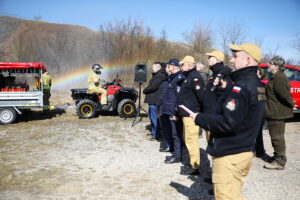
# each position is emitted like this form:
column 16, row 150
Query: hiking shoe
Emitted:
column 273, row 165
column 191, row 172
column 265, row 157
column 173, row 160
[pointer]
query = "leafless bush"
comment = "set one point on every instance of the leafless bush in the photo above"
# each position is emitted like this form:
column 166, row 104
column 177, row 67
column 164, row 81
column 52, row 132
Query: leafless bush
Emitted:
column 231, row 33
column 201, row 39
column 126, row 41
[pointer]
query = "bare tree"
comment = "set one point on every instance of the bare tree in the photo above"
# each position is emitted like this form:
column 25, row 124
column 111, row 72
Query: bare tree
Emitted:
column 259, row 40
column 201, row 39
column 296, row 42
column 126, row 40
column 231, row 33
column 270, row 54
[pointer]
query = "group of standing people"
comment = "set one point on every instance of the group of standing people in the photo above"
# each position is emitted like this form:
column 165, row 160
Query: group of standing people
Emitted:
column 229, row 105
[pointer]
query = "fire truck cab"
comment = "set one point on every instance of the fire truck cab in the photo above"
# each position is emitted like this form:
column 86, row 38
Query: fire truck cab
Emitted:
column 293, row 74
column 20, row 89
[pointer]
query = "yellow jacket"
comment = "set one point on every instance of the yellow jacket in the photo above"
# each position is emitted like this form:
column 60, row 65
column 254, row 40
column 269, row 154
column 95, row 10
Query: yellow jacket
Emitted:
column 46, row 80
column 94, row 80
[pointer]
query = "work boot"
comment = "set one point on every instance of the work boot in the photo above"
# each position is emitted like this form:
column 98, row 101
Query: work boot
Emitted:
column 164, row 149
column 152, row 138
column 265, row 157
column 188, row 170
column 173, row 160
column 273, row 165
column 168, row 157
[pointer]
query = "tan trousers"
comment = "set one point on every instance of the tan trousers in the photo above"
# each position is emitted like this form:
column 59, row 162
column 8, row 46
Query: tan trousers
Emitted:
column 228, row 175
column 100, row 90
column 191, row 139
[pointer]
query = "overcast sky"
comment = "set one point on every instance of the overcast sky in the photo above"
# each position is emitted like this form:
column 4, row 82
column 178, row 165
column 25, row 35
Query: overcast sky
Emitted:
column 276, row 21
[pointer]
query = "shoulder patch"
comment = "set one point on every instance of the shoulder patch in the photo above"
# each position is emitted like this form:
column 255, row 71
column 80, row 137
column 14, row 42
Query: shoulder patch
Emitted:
column 236, row 89
column 231, row 105
column 261, row 89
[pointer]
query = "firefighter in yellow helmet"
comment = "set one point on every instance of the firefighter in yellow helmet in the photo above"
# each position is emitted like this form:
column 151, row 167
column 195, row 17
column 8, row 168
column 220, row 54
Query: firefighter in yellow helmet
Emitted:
column 46, row 82
column 94, row 83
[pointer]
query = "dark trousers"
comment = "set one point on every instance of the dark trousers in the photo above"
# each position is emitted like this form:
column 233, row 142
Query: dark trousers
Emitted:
column 165, row 142
column 167, row 131
column 276, row 130
column 173, row 134
column 46, row 97
column 259, row 143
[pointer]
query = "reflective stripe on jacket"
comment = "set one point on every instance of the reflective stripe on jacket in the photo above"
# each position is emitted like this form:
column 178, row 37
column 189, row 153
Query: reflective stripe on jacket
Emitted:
column 46, row 80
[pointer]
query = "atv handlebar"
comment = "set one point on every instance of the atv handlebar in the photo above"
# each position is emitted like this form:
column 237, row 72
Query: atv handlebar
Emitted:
column 115, row 81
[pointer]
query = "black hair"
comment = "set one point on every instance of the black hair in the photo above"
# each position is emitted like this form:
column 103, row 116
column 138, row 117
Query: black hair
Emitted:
column 163, row 65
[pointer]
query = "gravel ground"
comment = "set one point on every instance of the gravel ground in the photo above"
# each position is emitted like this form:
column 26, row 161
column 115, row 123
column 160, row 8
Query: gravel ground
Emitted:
column 58, row 156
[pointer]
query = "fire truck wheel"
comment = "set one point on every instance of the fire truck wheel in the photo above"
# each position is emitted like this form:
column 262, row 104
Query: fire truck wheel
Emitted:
column 86, row 109
column 126, row 108
column 7, row 115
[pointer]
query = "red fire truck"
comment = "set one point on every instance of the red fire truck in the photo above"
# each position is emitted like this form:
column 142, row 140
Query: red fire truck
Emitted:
column 293, row 74
column 20, row 89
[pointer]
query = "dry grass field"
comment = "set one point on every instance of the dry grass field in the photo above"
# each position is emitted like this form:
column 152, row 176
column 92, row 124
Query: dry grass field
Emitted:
column 55, row 155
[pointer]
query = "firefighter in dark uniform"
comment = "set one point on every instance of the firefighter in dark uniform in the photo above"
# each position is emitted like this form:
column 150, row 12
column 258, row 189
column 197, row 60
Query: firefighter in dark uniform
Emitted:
column 235, row 124
column 215, row 61
column 191, row 96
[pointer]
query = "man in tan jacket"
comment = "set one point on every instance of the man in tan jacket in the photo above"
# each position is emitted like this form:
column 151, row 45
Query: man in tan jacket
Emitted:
column 46, row 82
column 94, row 83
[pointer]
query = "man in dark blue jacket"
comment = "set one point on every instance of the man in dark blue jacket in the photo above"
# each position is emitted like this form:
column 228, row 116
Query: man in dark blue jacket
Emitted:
column 169, row 109
column 158, row 76
column 235, row 124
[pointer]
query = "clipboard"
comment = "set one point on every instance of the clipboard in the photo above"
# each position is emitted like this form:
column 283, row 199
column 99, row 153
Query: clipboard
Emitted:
column 186, row 109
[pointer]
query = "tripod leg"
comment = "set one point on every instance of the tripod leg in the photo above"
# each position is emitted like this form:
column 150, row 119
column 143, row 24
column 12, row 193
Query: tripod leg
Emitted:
column 139, row 107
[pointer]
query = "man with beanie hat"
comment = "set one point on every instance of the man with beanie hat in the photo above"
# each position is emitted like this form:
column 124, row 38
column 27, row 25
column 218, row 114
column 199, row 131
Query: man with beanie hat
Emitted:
column 235, row 124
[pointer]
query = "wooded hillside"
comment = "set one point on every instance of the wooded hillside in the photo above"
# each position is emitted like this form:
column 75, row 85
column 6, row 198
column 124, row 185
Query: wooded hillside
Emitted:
column 68, row 47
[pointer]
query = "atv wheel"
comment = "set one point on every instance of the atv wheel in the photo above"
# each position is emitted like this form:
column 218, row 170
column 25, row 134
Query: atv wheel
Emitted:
column 7, row 115
column 86, row 109
column 126, row 108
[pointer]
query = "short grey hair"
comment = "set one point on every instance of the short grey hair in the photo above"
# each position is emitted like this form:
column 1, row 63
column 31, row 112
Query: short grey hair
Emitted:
column 279, row 61
column 200, row 64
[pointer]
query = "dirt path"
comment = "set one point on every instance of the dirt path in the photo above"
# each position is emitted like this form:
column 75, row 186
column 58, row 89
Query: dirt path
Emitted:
column 58, row 156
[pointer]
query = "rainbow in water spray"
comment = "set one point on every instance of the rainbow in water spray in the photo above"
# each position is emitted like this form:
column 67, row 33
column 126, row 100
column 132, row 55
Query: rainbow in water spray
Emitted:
column 81, row 75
